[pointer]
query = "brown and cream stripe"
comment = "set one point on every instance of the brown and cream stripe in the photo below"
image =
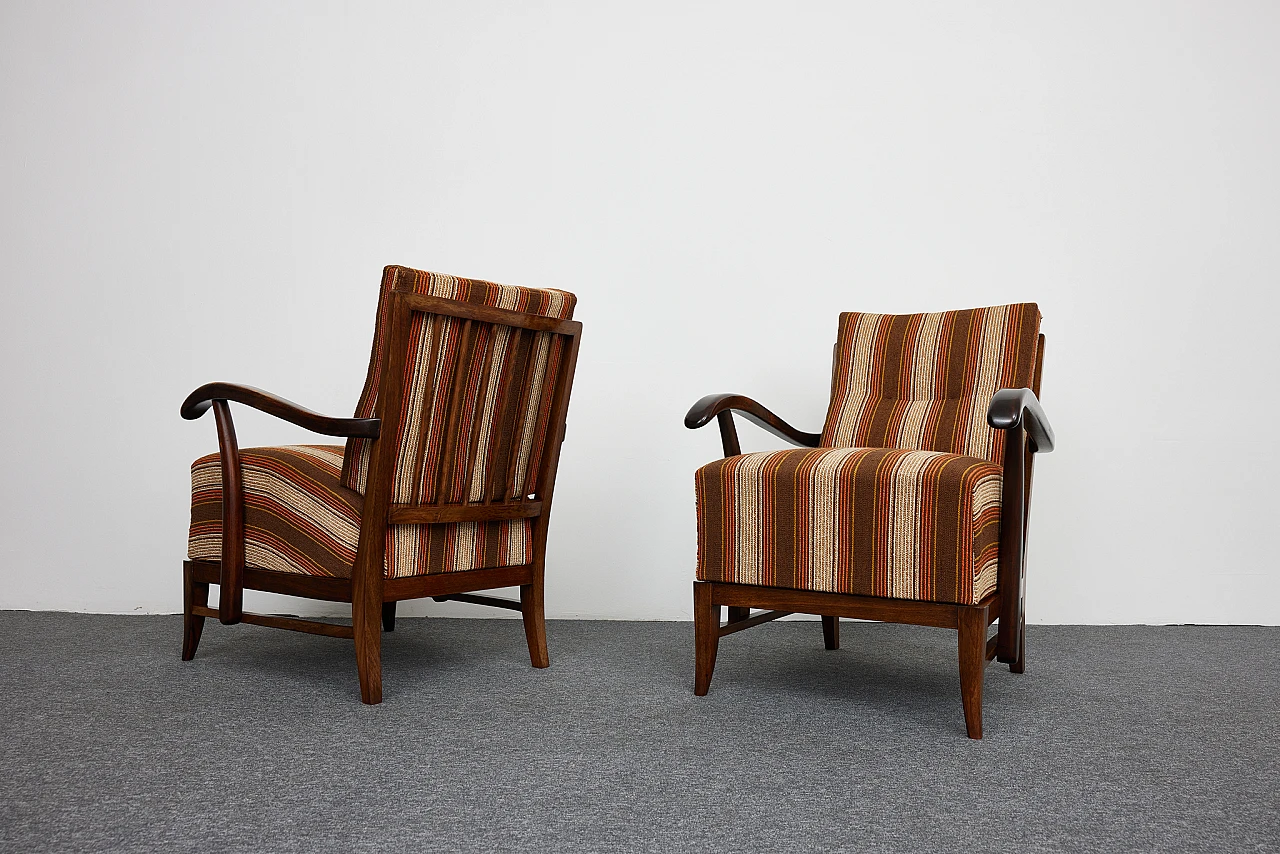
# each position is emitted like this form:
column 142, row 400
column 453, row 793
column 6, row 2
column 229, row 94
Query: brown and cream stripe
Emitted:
column 300, row 518
column 924, row 381
column 904, row 524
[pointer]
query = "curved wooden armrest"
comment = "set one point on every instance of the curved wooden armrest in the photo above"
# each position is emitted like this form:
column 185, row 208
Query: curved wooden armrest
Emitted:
column 199, row 401
column 1012, row 408
column 720, row 407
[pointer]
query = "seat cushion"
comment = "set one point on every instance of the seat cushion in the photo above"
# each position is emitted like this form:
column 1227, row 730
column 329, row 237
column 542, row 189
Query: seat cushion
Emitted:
column 298, row 517
column 903, row 524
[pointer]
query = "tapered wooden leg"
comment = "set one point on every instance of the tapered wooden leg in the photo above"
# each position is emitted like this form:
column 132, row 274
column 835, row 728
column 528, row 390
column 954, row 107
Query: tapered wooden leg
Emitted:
column 366, row 623
column 193, row 593
column 737, row 612
column 973, row 660
column 388, row 616
column 831, row 632
column 1020, row 665
column 535, row 624
column 706, row 631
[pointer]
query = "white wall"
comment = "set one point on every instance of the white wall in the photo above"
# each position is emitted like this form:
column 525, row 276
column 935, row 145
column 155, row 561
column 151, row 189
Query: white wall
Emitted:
column 193, row 192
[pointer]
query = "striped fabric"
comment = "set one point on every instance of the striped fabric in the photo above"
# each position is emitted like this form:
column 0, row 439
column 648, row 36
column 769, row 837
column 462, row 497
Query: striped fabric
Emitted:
column 924, row 381
column 501, row 424
column 905, row 524
column 300, row 518
column 297, row 517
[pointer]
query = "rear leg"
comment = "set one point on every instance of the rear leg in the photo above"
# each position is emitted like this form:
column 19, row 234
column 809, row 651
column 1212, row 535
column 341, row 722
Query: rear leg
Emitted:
column 831, row 632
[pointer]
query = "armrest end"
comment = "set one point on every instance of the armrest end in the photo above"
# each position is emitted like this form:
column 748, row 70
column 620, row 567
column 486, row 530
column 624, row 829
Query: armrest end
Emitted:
column 1013, row 408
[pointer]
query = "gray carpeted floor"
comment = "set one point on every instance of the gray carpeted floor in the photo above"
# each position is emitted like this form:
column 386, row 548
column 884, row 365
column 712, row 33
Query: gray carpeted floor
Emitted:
column 1116, row 738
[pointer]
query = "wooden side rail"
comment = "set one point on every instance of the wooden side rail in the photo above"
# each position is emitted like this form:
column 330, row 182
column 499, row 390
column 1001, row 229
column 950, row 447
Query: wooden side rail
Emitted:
column 293, row 624
column 478, row 599
column 739, row 625
column 427, row 514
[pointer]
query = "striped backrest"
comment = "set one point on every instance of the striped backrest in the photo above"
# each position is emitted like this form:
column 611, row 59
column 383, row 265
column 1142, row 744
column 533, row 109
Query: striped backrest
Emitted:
column 924, row 381
column 477, row 397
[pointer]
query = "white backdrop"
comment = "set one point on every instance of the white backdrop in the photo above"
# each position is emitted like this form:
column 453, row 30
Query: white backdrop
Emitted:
column 193, row 192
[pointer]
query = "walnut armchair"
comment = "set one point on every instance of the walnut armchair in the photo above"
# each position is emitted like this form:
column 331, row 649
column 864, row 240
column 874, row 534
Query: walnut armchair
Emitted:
column 910, row 506
column 443, row 487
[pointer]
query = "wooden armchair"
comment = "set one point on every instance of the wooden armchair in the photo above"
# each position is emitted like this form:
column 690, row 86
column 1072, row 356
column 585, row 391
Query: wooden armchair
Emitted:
column 444, row 486
column 910, row 507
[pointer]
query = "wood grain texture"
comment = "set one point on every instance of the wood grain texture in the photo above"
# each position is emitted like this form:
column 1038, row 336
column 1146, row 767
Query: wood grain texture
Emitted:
column 323, row 587
column 293, row 624
column 231, row 583
column 942, row 614
column 447, row 583
column 972, row 645
column 426, row 514
column 701, row 413
column 750, row 622
column 199, row 401
column 706, row 625
column 195, row 594
column 485, row 314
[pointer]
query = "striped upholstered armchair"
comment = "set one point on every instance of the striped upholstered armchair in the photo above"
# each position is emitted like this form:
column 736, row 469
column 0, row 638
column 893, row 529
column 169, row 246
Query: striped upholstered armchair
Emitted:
column 443, row 487
column 910, row 506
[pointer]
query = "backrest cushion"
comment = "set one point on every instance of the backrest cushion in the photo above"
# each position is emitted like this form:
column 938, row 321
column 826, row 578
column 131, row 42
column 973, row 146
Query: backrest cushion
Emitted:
column 924, row 381
column 500, row 422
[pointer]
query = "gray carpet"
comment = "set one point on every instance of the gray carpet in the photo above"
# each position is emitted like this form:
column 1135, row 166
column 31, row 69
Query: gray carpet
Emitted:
column 1116, row 738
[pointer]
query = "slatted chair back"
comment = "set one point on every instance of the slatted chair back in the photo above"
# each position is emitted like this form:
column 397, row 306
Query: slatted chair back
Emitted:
column 924, row 381
column 471, row 381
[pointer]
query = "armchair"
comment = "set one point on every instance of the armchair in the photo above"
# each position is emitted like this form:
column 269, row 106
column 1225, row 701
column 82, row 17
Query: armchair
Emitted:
column 443, row 488
column 910, row 506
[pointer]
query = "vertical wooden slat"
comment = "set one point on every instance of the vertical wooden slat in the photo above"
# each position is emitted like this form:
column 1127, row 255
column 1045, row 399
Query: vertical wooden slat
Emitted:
column 438, row 327
column 544, row 417
column 477, row 413
column 526, row 392
column 456, row 392
column 497, row 473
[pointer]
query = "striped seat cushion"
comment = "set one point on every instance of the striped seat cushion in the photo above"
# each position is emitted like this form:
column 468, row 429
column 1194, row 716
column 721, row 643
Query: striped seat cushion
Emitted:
column 299, row 518
column 904, row 524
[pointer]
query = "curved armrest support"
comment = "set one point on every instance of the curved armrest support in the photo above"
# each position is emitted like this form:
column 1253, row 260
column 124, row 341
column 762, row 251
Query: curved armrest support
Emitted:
column 1012, row 408
column 720, row 407
column 199, row 401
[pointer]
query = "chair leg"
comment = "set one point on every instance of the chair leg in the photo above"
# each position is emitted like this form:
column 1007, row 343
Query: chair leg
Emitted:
column 737, row 612
column 973, row 660
column 535, row 624
column 368, row 637
column 193, row 593
column 831, row 632
column 706, row 631
column 1020, row 665
column 388, row 616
